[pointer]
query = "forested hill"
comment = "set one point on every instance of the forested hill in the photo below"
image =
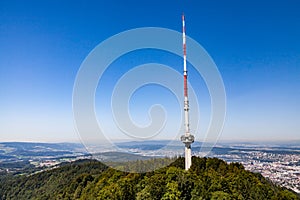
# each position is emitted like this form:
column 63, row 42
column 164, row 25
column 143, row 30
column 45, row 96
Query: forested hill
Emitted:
column 208, row 178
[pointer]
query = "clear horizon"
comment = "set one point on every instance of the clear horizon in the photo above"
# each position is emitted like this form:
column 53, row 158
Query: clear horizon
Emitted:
column 255, row 45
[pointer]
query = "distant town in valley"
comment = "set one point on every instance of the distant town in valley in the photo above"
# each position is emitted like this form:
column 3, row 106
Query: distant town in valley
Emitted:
column 278, row 162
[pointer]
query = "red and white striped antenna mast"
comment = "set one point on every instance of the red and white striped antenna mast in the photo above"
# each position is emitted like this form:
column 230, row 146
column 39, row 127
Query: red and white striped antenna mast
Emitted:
column 187, row 138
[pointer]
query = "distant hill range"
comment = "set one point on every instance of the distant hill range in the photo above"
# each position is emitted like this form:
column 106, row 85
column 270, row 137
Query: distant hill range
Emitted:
column 208, row 178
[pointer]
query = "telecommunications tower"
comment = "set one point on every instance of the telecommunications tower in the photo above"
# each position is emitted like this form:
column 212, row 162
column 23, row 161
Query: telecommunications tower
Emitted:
column 187, row 138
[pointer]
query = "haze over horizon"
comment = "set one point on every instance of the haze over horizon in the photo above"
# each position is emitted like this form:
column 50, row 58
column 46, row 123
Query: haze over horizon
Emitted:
column 255, row 45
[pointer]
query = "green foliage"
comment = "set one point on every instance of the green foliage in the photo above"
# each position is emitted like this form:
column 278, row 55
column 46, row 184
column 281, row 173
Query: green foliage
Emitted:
column 53, row 183
column 208, row 178
column 220, row 195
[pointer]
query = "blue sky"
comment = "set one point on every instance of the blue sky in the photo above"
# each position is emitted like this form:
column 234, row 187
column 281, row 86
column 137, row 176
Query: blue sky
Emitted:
column 255, row 45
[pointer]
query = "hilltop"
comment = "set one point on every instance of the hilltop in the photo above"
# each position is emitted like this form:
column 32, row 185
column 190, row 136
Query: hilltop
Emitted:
column 208, row 178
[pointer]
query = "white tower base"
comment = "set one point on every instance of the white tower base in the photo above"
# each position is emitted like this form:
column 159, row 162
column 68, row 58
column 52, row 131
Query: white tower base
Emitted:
column 188, row 140
column 188, row 157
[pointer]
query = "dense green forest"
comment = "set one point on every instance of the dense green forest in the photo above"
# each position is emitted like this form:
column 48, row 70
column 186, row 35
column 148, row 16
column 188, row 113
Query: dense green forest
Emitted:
column 208, row 178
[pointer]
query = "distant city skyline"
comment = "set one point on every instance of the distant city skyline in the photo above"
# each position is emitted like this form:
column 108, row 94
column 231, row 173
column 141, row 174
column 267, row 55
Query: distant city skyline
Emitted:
column 255, row 45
